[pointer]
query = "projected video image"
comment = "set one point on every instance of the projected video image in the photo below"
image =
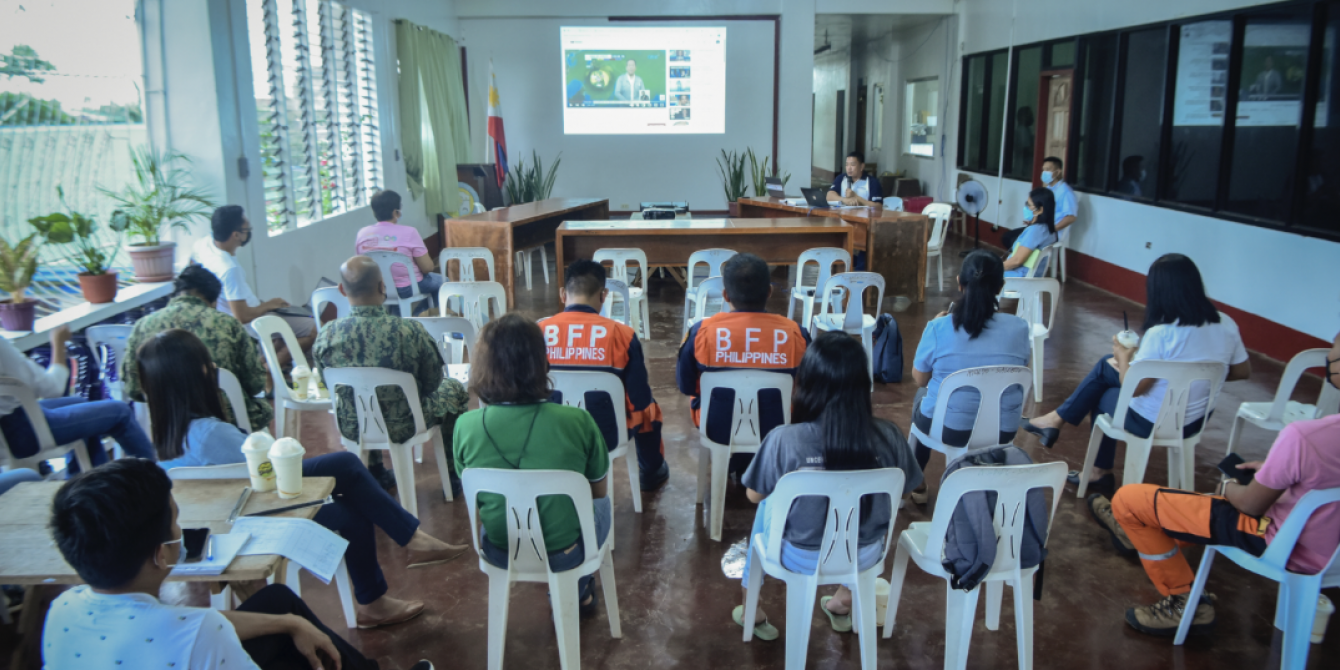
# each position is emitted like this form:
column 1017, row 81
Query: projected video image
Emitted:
column 679, row 55
column 679, row 100
column 679, row 72
column 615, row 78
column 679, row 114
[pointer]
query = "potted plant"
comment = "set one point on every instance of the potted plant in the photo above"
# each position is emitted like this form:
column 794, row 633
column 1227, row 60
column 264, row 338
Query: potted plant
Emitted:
column 530, row 184
column 158, row 196
column 731, row 168
column 75, row 229
column 18, row 263
column 758, row 174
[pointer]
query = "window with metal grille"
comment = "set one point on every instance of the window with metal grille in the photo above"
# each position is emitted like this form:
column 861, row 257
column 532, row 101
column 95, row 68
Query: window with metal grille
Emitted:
column 315, row 83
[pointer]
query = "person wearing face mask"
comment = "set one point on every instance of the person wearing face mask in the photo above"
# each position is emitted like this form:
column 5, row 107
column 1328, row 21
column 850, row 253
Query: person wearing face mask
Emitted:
column 1053, row 177
column 1039, row 233
column 1132, row 173
column 218, row 253
column 854, row 187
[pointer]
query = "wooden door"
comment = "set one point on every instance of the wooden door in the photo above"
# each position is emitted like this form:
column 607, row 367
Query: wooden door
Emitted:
column 1053, row 126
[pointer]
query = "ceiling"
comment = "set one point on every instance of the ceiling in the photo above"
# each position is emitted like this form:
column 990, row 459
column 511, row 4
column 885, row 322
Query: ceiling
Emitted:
column 840, row 30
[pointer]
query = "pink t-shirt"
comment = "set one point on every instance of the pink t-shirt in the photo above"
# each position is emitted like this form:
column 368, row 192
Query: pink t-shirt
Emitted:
column 393, row 237
column 1306, row 457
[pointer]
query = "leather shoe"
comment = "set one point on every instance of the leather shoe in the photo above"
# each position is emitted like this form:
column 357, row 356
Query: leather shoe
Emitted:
column 1047, row 436
column 1106, row 485
column 412, row 609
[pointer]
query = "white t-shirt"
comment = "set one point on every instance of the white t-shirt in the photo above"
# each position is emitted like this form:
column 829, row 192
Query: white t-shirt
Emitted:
column 224, row 266
column 1216, row 342
column 45, row 383
column 86, row 630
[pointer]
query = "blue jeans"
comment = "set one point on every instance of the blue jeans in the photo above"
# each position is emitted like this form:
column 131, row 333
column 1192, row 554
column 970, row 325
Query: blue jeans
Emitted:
column 12, row 478
column 561, row 560
column 73, row 418
column 428, row 286
column 797, row 559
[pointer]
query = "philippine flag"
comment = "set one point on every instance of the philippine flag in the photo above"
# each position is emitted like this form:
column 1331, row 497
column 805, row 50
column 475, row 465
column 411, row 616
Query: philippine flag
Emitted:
column 496, row 136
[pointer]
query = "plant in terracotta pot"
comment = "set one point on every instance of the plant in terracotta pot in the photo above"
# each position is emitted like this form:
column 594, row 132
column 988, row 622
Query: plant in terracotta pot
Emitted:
column 18, row 264
column 159, row 196
column 76, row 230
column 731, row 168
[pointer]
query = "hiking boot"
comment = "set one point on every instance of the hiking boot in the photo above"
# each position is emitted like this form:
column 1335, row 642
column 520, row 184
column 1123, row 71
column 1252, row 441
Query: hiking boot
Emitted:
column 1101, row 508
column 1163, row 617
column 920, row 495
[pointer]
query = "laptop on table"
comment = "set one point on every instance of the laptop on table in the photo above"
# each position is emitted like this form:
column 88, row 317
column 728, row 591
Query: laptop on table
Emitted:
column 815, row 197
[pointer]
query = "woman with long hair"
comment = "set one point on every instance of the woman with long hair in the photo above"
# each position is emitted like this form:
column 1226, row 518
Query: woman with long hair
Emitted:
column 1181, row 324
column 834, row 428
column 519, row 429
column 972, row 334
column 181, row 384
column 1039, row 232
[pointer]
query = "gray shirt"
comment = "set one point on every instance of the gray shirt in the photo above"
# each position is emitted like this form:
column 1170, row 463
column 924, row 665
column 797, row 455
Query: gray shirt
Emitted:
column 799, row 447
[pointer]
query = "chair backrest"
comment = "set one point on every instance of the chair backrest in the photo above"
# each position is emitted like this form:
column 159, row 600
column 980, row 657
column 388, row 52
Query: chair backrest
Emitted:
column 230, row 471
column 854, row 284
column 1031, row 291
column 475, row 298
column 267, row 328
column 824, row 257
column 1311, row 358
column 466, row 257
column 939, row 213
column 711, row 290
column 576, row 387
column 1011, row 484
column 443, row 330
column 112, row 336
column 893, row 203
column 991, row 382
column 620, row 289
column 478, row 208
column 746, row 427
column 387, row 260
column 329, row 295
column 1180, row 376
column 840, row 547
column 1286, row 536
column 714, row 259
column 521, row 490
column 46, row 444
column 1044, row 259
column 232, row 390
column 619, row 260
column 364, row 382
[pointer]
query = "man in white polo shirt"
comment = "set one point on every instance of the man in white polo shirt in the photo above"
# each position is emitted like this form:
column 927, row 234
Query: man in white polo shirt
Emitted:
column 232, row 231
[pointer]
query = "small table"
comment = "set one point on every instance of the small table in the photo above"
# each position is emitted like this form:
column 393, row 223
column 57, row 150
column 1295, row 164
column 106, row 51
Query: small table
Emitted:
column 87, row 314
column 28, row 555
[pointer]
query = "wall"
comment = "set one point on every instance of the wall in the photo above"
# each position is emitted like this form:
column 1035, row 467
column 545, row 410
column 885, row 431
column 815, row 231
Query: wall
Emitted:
column 832, row 73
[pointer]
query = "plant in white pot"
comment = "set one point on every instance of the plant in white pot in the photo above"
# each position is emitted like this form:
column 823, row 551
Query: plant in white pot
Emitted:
column 18, row 264
column 160, row 196
column 97, row 280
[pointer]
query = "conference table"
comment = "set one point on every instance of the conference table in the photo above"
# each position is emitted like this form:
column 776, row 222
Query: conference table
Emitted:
column 894, row 242
column 507, row 230
column 29, row 556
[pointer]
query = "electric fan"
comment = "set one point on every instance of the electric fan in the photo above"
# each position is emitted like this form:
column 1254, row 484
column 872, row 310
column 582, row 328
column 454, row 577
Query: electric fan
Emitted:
column 971, row 199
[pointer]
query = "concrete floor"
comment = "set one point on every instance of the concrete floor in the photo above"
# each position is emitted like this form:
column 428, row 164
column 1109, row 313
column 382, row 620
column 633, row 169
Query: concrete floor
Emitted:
column 676, row 603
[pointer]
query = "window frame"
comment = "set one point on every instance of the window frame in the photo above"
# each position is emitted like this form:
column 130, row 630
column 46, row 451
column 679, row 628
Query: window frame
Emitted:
column 905, row 131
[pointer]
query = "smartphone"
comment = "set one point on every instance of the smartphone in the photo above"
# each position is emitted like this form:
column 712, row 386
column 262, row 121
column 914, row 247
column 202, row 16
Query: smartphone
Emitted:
column 1229, row 466
column 194, row 540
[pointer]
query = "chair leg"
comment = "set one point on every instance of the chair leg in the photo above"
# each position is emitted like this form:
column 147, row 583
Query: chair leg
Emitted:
column 800, row 597
column 1233, row 433
column 751, row 591
column 720, row 467
column 280, row 412
column 611, row 592
column 1197, row 588
column 346, row 590
column 895, row 589
column 443, row 467
column 223, row 600
column 940, row 265
column 1300, row 615
column 1037, row 369
column 995, row 593
column 297, row 425
column 645, row 311
column 500, row 590
column 404, row 478
column 528, row 255
column 634, row 482
column 1137, row 460
column 791, row 308
column 961, row 609
column 863, row 604
column 928, row 273
column 1023, row 622
column 1062, row 264
column 293, row 577
column 704, row 476
column 1091, row 455
column 563, row 599
column 544, row 264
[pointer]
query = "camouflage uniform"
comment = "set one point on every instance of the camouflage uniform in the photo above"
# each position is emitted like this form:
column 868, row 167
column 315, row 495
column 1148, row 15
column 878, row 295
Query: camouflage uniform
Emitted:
column 229, row 344
column 370, row 337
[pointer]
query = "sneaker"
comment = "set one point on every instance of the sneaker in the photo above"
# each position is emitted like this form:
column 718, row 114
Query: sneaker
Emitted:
column 1163, row 617
column 1101, row 508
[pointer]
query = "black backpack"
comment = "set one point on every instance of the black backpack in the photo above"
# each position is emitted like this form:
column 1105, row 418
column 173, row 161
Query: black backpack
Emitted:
column 888, row 351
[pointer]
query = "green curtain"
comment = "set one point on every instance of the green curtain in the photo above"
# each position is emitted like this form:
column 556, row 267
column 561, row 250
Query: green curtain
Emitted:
column 434, row 128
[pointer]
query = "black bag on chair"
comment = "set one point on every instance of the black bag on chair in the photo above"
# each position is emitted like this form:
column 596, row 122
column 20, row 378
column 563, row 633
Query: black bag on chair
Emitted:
column 888, row 351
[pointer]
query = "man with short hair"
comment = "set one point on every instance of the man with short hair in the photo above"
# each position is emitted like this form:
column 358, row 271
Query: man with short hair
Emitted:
column 229, row 344
column 579, row 338
column 117, row 527
column 628, row 87
column 231, row 230
column 389, row 235
column 853, row 187
column 1053, row 177
column 371, row 338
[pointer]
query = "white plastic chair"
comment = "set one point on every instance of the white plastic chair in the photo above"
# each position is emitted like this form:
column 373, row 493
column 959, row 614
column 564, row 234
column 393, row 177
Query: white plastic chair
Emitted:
column 523, row 262
column 528, row 558
column 991, row 382
column 939, row 213
column 1058, row 268
column 1031, row 292
column 746, row 433
column 466, row 257
column 636, row 303
column 824, row 257
column 1280, row 412
column 893, row 203
column 47, row 448
column 237, row 400
column 853, row 320
column 710, row 294
column 267, row 328
column 388, row 259
column 113, row 337
column 475, row 297
column 1180, row 377
column 574, row 386
column 1296, row 604
column 924, row 541
column 223, row 600
column 329, row 295
column 620, row 290
column 839, row 554
column 714, row 259
column 372, row 433
column 442, row 329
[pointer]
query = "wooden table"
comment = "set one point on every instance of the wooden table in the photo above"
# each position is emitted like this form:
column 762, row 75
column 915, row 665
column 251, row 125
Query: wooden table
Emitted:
column 668, row 243
column 508, row 229
column 28, row 555
column 894, row 242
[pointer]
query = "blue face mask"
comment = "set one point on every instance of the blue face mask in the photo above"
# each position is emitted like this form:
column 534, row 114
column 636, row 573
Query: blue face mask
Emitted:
column 1047, row 176
column 1028, row 213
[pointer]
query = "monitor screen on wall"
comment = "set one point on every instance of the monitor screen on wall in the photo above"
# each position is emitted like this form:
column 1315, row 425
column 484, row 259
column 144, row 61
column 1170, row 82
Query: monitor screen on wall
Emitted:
column 644, row 80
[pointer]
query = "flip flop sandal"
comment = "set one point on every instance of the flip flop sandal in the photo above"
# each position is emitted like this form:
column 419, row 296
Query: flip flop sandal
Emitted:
column 840, row 622
column 762, row 630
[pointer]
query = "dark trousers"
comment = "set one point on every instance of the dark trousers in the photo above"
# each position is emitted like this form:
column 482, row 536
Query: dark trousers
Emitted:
column 74, row 418
column 360, row 505
column 277, row 652
column 1097, row 395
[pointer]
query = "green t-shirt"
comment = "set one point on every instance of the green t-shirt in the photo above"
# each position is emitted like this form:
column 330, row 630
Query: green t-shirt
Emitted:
column 564, row 438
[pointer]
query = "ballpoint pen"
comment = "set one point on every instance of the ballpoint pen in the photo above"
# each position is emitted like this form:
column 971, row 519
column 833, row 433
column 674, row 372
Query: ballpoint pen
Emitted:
column 209, row 548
